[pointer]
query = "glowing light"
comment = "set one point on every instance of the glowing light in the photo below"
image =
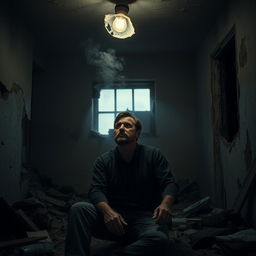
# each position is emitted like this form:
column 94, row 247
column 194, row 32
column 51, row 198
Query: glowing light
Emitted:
column 120, row 24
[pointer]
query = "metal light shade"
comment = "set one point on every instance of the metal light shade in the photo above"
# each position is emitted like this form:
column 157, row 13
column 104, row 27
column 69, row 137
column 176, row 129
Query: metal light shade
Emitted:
column 119, row 24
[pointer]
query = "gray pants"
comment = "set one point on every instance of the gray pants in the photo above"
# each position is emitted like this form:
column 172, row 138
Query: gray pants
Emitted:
column 142, row 236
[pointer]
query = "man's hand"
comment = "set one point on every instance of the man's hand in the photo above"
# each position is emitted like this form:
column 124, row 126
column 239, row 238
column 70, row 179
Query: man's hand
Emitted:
column 162, row 215
column 115, row 223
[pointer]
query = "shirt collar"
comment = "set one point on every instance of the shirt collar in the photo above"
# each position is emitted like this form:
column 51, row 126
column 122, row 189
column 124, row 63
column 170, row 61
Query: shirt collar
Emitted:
column 135, row 156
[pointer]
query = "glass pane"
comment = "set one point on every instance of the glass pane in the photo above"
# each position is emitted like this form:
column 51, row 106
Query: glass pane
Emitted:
column 141, row 99
column 106, row 122
column 106, row 100
column 123, row 99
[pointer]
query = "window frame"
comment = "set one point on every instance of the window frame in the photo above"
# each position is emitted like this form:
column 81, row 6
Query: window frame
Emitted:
column 126, row 84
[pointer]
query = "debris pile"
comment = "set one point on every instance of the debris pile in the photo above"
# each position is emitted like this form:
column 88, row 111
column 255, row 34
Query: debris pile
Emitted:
column 37, row 224
column 198, row 228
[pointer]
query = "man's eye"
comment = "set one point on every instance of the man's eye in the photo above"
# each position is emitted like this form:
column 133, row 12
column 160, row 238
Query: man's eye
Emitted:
column 117, row 126
column 127, row 125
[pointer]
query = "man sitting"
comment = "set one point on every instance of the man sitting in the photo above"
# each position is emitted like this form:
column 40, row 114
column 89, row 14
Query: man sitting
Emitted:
column 131, row 195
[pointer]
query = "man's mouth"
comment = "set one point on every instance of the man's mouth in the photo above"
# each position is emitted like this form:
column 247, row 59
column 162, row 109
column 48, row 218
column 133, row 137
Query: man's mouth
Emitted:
column 122, row 135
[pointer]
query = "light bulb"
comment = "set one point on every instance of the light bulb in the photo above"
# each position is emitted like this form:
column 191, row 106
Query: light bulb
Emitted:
column 120, row 24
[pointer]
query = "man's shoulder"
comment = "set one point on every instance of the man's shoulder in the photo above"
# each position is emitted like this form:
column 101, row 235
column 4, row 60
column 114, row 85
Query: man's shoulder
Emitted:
column 149, row 151
column 106, row 155
column 149, row 148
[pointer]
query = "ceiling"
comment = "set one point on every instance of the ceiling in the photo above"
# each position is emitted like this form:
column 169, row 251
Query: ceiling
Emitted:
column 160, row 25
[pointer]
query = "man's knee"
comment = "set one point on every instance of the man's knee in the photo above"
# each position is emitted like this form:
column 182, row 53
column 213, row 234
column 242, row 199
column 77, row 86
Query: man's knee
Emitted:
column 158, row 237
column 81, row 208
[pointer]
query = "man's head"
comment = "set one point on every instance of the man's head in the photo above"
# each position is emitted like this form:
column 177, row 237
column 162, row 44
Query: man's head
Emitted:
column 127, row 128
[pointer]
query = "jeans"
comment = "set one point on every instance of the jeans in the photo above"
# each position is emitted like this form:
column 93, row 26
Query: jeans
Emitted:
column 142, row 237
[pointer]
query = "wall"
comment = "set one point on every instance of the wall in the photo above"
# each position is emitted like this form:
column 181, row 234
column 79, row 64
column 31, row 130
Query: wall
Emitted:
column 15, row 99
column 62, row 147
column 237, row 158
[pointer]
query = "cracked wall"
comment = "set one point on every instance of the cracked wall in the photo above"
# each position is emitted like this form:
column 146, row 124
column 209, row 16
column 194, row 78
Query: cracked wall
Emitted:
column 235, row 161
column 15, row 99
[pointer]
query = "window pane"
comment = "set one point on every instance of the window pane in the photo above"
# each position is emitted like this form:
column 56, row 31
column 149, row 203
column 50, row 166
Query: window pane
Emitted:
column 123, row 99
column 106, row 100
column 106, row 122
column 141, row 99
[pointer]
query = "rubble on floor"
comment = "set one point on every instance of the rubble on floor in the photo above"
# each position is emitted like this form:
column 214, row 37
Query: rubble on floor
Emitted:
column 37, row 224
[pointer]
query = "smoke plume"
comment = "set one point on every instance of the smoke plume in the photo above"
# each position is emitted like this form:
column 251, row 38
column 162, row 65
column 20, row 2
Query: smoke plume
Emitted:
column 109, row 66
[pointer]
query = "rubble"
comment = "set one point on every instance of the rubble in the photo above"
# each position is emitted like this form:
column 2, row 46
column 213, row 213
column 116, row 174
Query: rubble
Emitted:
column 197, row 228
column 41, row 218
column 197, row 224
column 239, row 243
column 18, row 242
column 247, row 235
column 185, row 223
column 31, row 224
column 216, row 218
column 195, row 207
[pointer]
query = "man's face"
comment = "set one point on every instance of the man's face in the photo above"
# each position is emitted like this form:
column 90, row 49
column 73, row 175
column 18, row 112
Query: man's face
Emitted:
column 125, row 131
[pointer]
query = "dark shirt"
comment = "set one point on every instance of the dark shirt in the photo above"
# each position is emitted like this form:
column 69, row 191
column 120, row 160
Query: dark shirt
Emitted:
column 138, row 185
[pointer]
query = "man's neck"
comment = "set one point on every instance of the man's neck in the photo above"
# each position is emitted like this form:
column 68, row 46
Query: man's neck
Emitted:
column 127, row 151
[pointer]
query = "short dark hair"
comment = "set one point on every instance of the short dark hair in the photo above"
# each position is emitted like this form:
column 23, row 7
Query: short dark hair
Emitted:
column 138, row 125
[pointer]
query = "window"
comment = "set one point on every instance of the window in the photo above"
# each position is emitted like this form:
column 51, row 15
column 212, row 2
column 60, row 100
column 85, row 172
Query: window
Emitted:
column 133, row 96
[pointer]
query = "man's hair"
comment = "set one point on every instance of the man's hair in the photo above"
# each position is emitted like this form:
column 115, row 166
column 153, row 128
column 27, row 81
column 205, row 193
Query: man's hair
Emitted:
column 138, row 125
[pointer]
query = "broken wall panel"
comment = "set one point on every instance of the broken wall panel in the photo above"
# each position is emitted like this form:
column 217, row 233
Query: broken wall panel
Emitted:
column 232, row 159
column 15, row 98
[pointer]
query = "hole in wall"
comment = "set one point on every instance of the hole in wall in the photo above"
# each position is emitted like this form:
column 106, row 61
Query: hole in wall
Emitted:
column 226, row 72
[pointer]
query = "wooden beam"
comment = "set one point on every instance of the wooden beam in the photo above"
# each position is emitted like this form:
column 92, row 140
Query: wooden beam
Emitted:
column 19, row 242
column 28, row 221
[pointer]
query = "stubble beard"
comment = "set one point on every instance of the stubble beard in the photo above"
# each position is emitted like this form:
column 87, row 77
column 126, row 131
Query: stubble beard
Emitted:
column 122, row 141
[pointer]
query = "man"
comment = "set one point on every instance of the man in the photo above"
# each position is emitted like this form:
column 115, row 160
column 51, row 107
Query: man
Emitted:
column 131, row 195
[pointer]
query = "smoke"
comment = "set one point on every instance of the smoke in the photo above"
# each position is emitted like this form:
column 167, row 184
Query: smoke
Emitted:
column 109, row 66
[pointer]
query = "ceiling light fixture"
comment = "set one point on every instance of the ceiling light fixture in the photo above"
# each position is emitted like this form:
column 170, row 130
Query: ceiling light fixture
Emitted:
column 119, row 24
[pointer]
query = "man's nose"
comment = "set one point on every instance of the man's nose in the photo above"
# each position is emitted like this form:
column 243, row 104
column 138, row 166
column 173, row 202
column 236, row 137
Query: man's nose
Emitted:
column 121, row 127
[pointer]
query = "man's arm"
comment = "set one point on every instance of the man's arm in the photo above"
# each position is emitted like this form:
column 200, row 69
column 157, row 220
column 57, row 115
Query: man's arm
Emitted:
column 98, row 196
column 168, row 201
column 162, row 214
column 169, row 188
column 98, row 188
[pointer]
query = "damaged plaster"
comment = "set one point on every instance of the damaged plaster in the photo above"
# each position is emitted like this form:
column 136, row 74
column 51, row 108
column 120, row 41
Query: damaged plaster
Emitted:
column 243, row 53
column 12, row 108
column 3, row 91
column 16, row 51
column 14, row 89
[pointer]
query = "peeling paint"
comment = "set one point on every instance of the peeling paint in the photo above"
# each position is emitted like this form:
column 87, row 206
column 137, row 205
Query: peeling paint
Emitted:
column 243, row 53
column 3, row 91
column 248, row 151
column 11, row 143
column 15, row 88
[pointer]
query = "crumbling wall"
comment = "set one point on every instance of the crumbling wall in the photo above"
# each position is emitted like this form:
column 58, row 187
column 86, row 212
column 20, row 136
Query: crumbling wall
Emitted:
column 234, row 158
column 15, row 98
